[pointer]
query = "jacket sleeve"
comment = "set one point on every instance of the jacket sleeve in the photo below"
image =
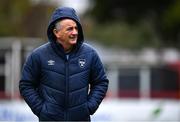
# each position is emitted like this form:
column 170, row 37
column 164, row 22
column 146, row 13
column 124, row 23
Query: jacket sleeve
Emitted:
column 98, row 84
column 28, row 84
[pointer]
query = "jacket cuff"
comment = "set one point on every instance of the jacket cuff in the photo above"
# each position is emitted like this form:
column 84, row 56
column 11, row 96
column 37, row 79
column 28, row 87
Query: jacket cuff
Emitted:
column 92, row 107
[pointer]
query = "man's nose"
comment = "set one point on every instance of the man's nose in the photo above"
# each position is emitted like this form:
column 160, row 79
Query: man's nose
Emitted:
column 75, row 31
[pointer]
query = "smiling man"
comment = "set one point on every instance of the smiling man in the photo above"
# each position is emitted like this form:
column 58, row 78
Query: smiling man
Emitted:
column 64, row 79
column 66, row 32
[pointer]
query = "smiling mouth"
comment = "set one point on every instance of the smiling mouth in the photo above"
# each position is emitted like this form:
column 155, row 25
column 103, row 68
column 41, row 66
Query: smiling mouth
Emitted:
column 73, row 38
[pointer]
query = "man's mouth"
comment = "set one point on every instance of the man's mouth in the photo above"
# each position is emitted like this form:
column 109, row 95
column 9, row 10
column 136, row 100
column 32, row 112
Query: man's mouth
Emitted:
column 73, row 38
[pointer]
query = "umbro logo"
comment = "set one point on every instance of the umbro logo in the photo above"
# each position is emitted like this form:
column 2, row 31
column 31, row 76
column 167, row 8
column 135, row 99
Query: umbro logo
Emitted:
column 51, row 62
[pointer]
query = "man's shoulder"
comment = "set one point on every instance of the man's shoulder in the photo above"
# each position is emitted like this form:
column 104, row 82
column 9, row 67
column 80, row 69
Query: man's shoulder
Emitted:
column 88, row 48
column 41, row 48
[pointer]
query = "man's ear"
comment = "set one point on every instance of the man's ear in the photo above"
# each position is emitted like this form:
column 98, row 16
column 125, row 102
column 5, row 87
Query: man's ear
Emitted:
column 55, row 32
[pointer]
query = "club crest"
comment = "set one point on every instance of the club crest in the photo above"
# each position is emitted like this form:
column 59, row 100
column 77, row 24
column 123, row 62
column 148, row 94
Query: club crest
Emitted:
column 82, row 62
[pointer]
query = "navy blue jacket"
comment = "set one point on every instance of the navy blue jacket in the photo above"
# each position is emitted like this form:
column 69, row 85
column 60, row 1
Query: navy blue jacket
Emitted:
column 59, row 88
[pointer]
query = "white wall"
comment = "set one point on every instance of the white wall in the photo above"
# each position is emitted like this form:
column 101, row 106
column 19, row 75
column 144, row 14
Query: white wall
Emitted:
column 109, row 110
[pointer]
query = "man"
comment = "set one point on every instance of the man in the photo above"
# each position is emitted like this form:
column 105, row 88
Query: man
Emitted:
column 57, row 75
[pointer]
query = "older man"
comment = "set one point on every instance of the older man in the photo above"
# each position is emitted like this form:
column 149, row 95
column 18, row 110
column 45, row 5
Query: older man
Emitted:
column 56, row 76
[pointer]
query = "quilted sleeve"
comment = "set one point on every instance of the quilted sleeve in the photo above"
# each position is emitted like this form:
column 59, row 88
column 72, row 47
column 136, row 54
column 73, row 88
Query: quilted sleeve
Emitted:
column 29, row 82
column 98, row 84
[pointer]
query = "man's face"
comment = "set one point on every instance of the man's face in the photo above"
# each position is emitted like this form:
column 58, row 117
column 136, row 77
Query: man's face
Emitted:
column 66, row 32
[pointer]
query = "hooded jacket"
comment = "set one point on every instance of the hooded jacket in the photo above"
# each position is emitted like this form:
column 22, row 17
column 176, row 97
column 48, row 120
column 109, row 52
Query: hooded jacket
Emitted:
column 57, row 88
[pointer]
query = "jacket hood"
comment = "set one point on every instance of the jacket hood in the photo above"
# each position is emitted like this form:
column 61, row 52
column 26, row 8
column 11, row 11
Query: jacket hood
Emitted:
column 62, row 13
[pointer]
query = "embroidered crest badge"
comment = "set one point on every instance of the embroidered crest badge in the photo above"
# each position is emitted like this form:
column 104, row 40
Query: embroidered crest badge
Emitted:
column 82, row 62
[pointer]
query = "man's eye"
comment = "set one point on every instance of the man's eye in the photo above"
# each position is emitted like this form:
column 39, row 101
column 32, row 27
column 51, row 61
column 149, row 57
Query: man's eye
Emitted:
column 69, row 29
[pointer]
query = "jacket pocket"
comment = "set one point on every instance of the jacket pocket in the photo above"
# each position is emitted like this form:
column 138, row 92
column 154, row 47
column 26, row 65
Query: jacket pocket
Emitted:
column 87, row 108
column 79, row 113
column 51, row 112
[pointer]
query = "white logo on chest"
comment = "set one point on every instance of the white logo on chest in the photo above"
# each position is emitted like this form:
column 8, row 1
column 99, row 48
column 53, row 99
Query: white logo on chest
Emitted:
column 51, row 62
column 82, row 62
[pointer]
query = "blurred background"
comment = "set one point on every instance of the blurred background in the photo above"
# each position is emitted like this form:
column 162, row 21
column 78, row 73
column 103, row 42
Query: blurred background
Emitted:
column 137, row 40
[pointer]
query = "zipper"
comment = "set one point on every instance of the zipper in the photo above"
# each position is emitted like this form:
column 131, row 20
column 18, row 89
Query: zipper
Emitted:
column 67, row 89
